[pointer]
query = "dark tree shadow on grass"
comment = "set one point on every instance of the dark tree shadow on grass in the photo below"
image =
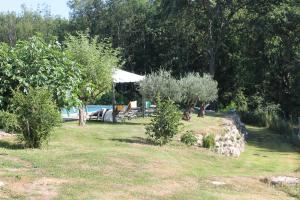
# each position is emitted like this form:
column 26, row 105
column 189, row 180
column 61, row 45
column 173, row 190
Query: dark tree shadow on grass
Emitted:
column 269, row 141
column 11, row 145
column 133, row 140
column 115, row 124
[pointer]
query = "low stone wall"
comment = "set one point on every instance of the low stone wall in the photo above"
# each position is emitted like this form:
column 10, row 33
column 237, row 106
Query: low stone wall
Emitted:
column 231, row 142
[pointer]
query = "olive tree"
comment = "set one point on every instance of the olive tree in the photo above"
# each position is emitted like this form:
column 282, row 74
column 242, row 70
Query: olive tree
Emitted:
column 188, row 90
column 195, row 87
column 96, row 61
column 160, row 83
column 207, row 93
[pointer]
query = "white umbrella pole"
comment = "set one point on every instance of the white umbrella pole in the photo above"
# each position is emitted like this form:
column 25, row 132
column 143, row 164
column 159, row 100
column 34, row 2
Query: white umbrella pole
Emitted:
column 113, row 103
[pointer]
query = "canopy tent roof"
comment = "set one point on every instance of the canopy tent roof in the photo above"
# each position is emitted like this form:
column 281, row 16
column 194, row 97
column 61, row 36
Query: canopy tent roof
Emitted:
column 121, row 76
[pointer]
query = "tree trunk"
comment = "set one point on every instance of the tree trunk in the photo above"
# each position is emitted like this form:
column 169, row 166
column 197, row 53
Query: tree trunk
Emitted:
column 82, row 118
column 299, row 127
column 212, row 62
column 201, row 112
column 187, row 114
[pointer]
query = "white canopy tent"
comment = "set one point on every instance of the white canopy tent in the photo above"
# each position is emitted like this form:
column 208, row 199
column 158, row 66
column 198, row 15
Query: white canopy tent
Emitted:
column 121, row 76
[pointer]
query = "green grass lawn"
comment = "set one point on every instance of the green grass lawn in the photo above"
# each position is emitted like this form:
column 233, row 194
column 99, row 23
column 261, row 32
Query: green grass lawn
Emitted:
column 107, row 161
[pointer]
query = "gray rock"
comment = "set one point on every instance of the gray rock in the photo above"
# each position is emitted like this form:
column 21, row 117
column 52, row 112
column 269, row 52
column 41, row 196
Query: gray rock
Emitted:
column 282, row 180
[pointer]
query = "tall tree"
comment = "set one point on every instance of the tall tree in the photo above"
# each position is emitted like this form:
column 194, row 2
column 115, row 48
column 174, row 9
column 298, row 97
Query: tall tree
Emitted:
column 27, row 23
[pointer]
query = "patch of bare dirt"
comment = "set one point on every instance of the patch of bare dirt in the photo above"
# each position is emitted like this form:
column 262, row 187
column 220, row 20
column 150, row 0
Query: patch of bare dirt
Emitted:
column 123, row 163
column 40, row 189
column 165, row 188
column 5, row 135
column 249, row 187
column 18, row 160
column 161, row 169
column 115, row 195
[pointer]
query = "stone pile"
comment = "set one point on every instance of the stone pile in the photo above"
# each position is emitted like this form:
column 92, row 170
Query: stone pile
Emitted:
column 282, row 180
column 231, row 142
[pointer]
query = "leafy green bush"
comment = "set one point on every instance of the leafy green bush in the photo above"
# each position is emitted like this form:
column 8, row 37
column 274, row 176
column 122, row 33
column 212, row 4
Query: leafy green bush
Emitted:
column 37, row 115
column 240, row 101
column 262, row 115
column 209, row 141
column 165, row 124
column 229, row 108
column 257, row 118
column 277, row 124
column 188, row 138
column 295, row 139
column 8, row 122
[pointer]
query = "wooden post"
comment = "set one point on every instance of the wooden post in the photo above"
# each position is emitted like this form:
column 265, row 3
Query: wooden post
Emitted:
column 113, row 103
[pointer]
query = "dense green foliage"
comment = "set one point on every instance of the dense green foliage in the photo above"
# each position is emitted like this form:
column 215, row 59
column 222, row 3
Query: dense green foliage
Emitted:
column 188, row 138
column 246, row 45
column 209, row 141
column 36, row 63
column 165, row 124
column 251, row 48
column 24, row 25
column 8, row 122
column 96, row 61
column 37, row 115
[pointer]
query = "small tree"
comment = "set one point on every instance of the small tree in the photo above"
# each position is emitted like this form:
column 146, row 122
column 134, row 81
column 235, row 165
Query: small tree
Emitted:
column 161, row 83
column 36, row 63
column 166, row 122
column 241, row 101
column 36, row 114
column 194, row 88
column 96, row 62
column 207, row 92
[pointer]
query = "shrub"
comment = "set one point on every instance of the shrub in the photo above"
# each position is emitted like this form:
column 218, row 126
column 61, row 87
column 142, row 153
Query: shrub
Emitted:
column 262, row 115
column 240, row 101
column 165, row 123
column 209, row 141
column 229, row 108
column 37, row 115
column 188, row 138
column 257, row 118
column 8, row 122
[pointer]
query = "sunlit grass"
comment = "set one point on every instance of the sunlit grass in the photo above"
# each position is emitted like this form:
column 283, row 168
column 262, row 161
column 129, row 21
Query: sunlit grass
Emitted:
column 107, row 161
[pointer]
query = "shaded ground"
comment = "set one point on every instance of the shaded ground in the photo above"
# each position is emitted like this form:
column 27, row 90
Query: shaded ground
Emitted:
column 105, row 161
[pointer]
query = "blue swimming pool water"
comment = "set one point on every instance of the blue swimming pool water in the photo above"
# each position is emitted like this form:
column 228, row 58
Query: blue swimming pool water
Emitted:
column 89, row 109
